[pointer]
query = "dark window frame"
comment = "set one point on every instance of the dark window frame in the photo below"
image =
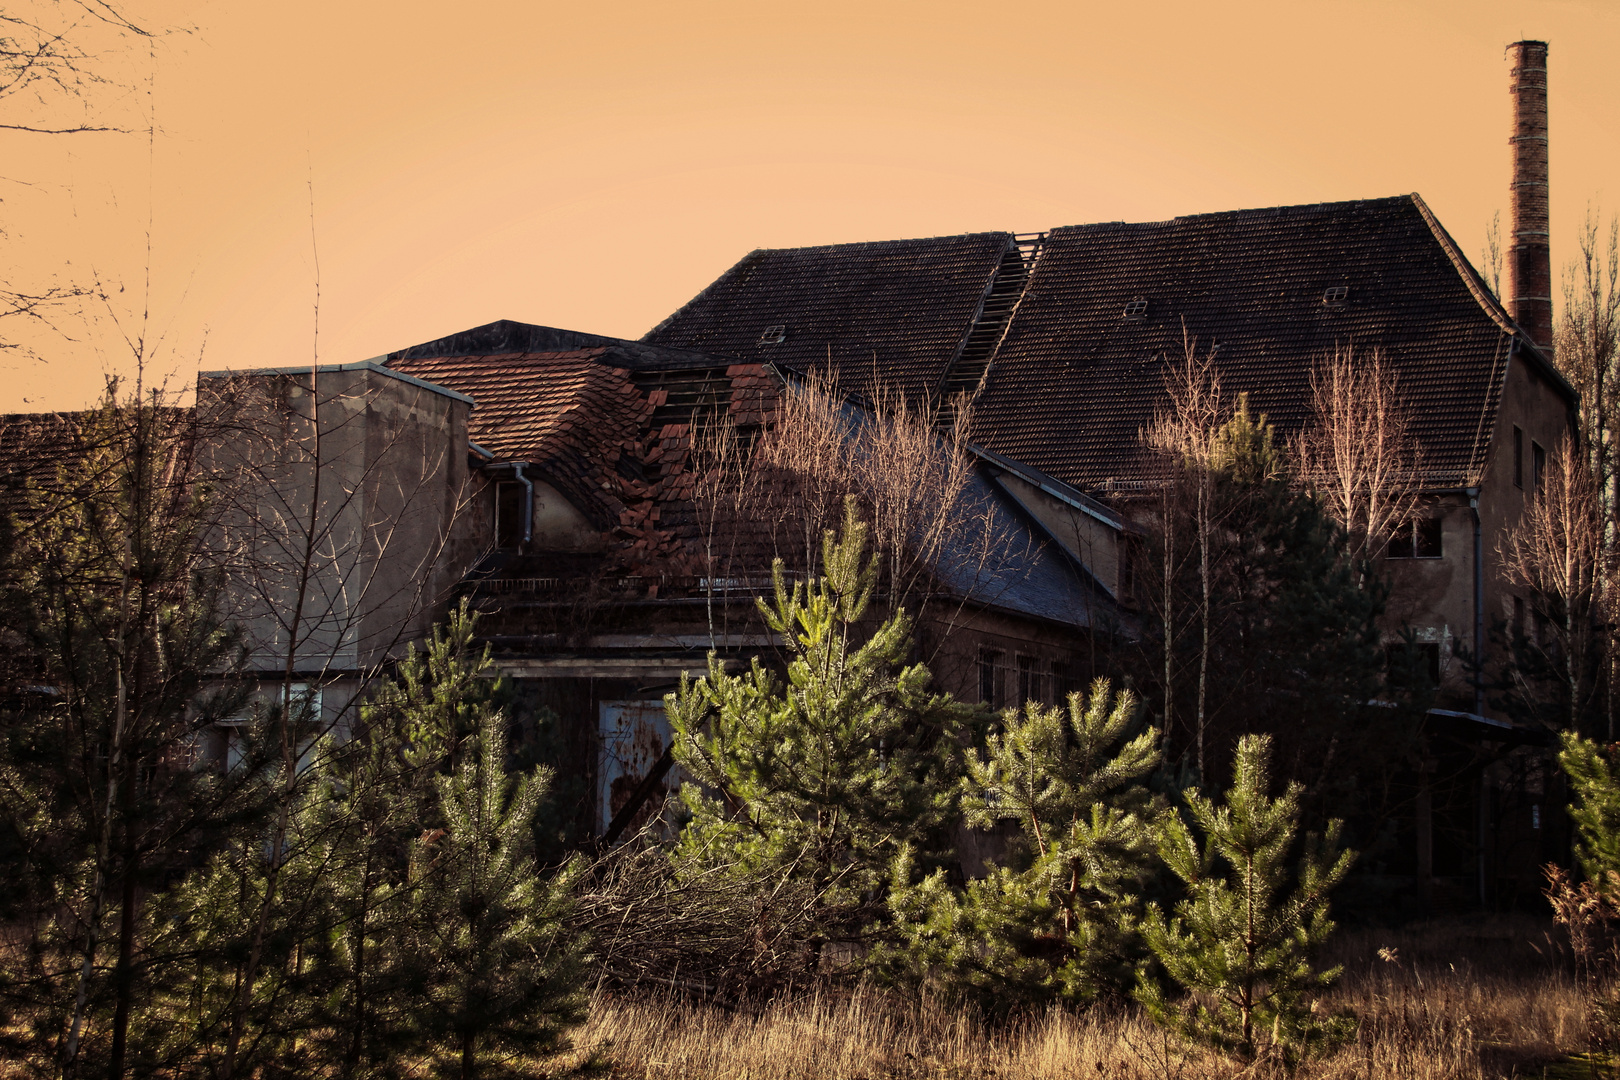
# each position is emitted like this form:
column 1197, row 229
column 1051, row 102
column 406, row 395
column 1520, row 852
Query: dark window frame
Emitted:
column 992, row 678
column 1396, row 662
column 1418, row 538
column 508, row 518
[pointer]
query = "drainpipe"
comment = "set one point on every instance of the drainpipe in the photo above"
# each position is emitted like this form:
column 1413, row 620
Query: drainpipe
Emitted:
column 528, row 506
column 1479, row 604
column 1482, row 817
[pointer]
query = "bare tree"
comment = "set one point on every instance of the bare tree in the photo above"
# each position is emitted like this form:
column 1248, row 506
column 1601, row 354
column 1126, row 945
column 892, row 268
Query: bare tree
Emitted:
column 52, row 57
column 58, row 78
column 1187, row 433
column 1491, row 259
column 915, row 486
column 1554, row 553
column 1588, row 352
column 1358, row 456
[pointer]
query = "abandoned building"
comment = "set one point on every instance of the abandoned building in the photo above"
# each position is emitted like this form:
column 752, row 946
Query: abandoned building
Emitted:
column 548, row 476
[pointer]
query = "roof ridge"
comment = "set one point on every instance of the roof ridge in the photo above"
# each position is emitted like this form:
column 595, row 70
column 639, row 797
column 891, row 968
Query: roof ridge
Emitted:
column 1476, row 284
column 1242, row 212
column 886, row 243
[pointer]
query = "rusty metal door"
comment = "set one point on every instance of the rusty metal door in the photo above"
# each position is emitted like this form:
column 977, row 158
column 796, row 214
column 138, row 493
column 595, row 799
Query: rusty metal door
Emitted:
column 633, row 736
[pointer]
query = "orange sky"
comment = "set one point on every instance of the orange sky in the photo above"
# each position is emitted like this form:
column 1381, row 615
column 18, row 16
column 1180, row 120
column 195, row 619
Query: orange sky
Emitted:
column 592, row 165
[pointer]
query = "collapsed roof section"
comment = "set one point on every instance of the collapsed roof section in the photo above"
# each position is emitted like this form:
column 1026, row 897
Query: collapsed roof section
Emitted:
column 611, row 425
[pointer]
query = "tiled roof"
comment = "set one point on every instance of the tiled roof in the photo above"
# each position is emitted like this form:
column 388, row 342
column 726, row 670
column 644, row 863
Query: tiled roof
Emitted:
column 610, row 427
column 566, row 412
column 1075, row 381
column 903, row 307
column 33, row 447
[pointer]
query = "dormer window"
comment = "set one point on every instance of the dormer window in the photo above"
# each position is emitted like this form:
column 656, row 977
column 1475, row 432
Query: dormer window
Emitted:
column 1335, row 296
column 773, row 335
column 1136, row 309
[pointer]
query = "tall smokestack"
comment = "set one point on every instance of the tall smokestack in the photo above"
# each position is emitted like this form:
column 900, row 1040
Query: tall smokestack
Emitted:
column 1530, row 256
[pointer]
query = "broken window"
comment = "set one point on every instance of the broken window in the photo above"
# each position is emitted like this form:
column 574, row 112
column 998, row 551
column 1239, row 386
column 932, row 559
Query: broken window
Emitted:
column 992, row 681
column 508, row 514
column 1406, row 665
column 1418, row 538
column 1031, row 681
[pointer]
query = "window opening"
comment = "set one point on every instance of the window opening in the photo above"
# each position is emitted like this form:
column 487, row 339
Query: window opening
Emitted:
column 1518, row 457
column 1031, row 681
column 773, row 335
column 508, row 514
column 992, row 684
column 1405, row 662
column 1136, row 308
column 1419, row 538
column 1538, row 466
column 1334, row 296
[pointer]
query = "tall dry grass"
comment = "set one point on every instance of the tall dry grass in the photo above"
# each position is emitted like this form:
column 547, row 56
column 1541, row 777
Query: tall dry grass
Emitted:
column 1466, row 1000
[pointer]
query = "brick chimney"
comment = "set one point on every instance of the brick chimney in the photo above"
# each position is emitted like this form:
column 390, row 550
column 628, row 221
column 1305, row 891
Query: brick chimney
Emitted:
column 1529, row 255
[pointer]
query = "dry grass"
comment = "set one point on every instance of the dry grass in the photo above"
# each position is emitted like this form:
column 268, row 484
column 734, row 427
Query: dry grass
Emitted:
column 1464, row 1000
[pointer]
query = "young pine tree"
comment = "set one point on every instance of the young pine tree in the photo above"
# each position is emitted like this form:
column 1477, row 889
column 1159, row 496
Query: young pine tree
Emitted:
column 409, row 919
column 1053, row 922
column 819, row 780
column 1242, row 941
column 115, row 648
column 1596, row 812
column 491, row 961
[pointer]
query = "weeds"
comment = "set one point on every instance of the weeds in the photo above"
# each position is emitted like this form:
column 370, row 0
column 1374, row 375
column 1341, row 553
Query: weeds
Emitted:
column 1459, row 1001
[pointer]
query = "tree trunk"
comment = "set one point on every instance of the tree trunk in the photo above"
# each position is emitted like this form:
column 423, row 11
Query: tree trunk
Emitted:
column 1203, row 651
column 1169, row 620
column 123, row 974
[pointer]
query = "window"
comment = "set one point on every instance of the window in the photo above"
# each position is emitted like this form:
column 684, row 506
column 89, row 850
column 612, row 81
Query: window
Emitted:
column 228, row 744
column 773, row 335
column 1406, row 663
column 1031, row 681
column 508, row 514
column 1518, row 457
column 1420, row 538
column 1538, row 466
column 1060, row 682
column 992, row 683
column 1334, row 296
column 1136, row 309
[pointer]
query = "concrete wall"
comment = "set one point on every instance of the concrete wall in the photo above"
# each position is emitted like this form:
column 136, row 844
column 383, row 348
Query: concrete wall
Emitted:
column 379, row 505
column 1435, row 597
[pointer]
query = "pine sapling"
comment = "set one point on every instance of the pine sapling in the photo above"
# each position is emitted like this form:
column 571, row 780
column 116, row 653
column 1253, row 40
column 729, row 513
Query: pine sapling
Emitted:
column 1051, row 923
column 1241, row 944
